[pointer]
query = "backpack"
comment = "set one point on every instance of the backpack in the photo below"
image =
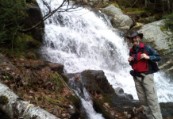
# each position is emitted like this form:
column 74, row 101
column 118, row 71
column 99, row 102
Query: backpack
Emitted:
column 153, row 66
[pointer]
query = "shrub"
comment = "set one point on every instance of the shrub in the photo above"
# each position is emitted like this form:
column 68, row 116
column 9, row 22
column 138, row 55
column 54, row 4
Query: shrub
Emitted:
column 12, row 14
column 169, row 21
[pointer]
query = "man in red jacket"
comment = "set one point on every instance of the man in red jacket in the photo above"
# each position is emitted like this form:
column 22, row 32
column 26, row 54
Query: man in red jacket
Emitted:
column 142, row 59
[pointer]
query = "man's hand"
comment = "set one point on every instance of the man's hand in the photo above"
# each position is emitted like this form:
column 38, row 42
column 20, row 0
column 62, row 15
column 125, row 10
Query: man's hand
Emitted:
column 144, row 56
column 130, row 59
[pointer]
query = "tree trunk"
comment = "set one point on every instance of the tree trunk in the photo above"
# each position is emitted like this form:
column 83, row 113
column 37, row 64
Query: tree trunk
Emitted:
column 146, row 3
column 16, row 108
column 169, row 5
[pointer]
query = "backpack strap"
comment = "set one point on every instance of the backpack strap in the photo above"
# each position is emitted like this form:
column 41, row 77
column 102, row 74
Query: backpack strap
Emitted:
column 153, row 66
column 142, row 48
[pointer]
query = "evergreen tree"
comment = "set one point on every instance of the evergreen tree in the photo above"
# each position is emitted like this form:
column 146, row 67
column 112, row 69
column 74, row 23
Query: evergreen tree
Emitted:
column 12, row 14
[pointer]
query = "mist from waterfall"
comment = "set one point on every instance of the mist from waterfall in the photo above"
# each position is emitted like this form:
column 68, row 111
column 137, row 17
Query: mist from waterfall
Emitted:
column 82, row 40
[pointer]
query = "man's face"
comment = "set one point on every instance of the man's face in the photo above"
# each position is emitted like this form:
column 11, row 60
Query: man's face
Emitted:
column 136, row 40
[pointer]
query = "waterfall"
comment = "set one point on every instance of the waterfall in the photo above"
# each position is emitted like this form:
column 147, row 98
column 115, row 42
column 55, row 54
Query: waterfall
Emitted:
column 82, row 40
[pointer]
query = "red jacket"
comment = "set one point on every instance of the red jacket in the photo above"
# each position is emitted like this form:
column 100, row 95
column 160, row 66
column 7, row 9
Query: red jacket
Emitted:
column 143, row 65
column 138, row 65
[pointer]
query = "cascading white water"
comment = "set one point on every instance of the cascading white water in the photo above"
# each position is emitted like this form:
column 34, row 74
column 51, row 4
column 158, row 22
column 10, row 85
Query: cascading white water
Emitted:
column 82, row 40
column 85, row 99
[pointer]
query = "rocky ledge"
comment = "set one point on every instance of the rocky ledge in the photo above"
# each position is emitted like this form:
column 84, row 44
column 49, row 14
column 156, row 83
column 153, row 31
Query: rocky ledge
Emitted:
column 45, row 84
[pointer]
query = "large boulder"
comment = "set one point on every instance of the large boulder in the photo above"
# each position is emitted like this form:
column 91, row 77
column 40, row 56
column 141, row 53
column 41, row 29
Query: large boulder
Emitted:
column 94, row 81
column 34, row 17
column 154, row 34
column 118, row 18
column 106, row 100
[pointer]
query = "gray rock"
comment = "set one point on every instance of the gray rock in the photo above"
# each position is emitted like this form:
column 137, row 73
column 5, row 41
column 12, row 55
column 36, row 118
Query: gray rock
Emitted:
column 112, row 10
column 118, row 18
column 154, row 34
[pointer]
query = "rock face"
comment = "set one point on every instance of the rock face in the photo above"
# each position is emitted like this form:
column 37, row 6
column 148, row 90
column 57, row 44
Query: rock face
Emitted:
column 154, row 34
column 96, row 82
column 34, row 17
column 107, row 101
column 118, row 19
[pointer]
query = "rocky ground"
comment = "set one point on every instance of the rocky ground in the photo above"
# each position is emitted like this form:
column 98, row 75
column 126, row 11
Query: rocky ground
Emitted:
column 41, row 83
column 44, row 84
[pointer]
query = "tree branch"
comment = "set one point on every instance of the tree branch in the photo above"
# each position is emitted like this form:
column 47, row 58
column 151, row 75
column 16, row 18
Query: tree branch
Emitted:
column 134, row 3
column 50, row 13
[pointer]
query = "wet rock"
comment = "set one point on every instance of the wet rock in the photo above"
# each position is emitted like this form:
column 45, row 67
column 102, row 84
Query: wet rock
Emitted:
column 105, row 100
column 3, row 115
column 96, row 82
column 167, row 110
column 120, row 93
column 56, row 67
